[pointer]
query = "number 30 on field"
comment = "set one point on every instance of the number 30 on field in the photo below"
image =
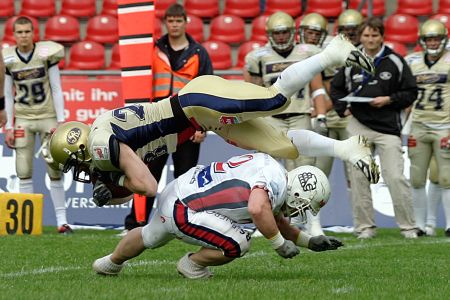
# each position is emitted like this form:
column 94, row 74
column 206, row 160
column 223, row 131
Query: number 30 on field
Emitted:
column 21, row 213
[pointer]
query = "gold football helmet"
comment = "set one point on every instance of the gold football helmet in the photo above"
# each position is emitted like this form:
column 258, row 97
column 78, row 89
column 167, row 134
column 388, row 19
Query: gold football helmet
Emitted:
column 348, row 23
column 313, row 21
column 433, row 28
column 277, row 22
column 68, row 147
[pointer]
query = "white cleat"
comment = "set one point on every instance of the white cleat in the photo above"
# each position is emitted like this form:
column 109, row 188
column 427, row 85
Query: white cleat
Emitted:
column 356, row 150
column 104, row 266
column 189, row 269
column 341, row 52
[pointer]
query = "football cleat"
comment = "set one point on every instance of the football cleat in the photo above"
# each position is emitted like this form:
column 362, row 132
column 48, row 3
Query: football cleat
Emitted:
column 189, row 269
column 341, row 52
column 356, row 150
column 409, row 234
column 65, row 229
column 104, row 266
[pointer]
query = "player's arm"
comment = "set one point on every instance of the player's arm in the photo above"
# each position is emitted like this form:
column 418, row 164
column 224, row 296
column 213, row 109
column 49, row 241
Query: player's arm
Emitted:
column 252, row 78
column 138, row 178
column 319, row 96
column 260, row 209
column 55, row 85
column 303, row 239
column 9, row 108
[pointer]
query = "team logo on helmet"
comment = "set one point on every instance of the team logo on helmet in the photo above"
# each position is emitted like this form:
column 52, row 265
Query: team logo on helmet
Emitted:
column 73, row 135
column 308, row 181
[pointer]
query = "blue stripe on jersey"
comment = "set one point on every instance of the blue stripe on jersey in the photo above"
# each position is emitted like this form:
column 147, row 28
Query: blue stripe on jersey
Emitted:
column 138, row 137
column 231, row 106
column 230, row 194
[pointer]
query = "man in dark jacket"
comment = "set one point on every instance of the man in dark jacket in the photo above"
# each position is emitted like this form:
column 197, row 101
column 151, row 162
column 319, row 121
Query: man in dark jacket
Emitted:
column 376, row 103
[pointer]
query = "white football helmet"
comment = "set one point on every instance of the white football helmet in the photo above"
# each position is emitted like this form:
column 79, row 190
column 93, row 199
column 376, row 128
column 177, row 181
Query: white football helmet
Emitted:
column 308, row 189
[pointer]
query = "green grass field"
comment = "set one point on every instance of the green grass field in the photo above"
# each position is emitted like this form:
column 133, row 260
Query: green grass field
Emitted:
column 388, row 267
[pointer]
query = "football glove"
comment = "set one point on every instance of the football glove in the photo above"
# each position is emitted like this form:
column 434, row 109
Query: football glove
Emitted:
column 108, row 176
column 101, row 193
column 288, row 249
column 324, row 243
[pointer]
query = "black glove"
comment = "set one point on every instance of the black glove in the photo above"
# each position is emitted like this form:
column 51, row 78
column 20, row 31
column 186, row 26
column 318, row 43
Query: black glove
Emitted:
column 288, row 249
column 101, row 193
column 320, row 126
column 108, row 176
column 324, row 243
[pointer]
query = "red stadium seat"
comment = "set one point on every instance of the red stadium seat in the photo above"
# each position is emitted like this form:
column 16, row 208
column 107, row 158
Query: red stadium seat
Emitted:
column 444, row 7
column 7, row 8
column 86, row 56
column 259, row 29
column 378, row 8
column 415, row 7
column 245, row 48
column 161, row 6
column 243, row 9
column 9, row 34
column 38, row 8
column 201, row 8
column 64, row 29
column 220, row 54
column 115, row 58
column 78, row 8
column 228, row 29
column 109, row 7
column 397, row 47
column 444, row 18
column 401, row 28
column 293, row 8
column 328, row 9
column 195, row 28
column 102, row 29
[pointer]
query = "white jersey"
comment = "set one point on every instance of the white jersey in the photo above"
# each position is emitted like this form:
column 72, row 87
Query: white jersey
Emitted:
column 224, row 187
column 33, row 95
column 432, row 106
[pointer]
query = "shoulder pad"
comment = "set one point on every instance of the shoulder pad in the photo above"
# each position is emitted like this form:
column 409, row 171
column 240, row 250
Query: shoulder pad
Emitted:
column 414, row 57
column 50, row 51
column 307, row 48
column 258, row 52
column 9, row 55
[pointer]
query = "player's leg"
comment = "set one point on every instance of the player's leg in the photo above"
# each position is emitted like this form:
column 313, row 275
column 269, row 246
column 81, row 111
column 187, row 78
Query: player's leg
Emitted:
column 419, row 153
column 57, row 192
column 258, row 135
column 354, row 150
column 24, row 142
column 434, row 195
column 442, row 153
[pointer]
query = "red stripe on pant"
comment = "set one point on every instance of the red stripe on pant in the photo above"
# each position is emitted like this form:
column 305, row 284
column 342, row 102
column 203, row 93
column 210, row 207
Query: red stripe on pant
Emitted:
column 229, row 247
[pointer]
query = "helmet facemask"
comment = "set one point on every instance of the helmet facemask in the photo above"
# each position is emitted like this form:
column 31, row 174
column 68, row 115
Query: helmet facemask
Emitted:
column 78, row 161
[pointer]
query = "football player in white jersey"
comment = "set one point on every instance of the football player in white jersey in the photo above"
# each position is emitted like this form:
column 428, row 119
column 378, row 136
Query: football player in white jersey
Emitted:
column 2, row 96
column 208, row 205
column 264, row 65
column 121, row 141
column 36, row 108
column 430, row 127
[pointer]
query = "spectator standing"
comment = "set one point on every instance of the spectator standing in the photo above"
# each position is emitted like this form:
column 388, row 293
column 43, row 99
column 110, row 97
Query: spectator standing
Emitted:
column 178, row 58
column 430, row 127
column 36, row 109
column 264, row 65
column 392, row 89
